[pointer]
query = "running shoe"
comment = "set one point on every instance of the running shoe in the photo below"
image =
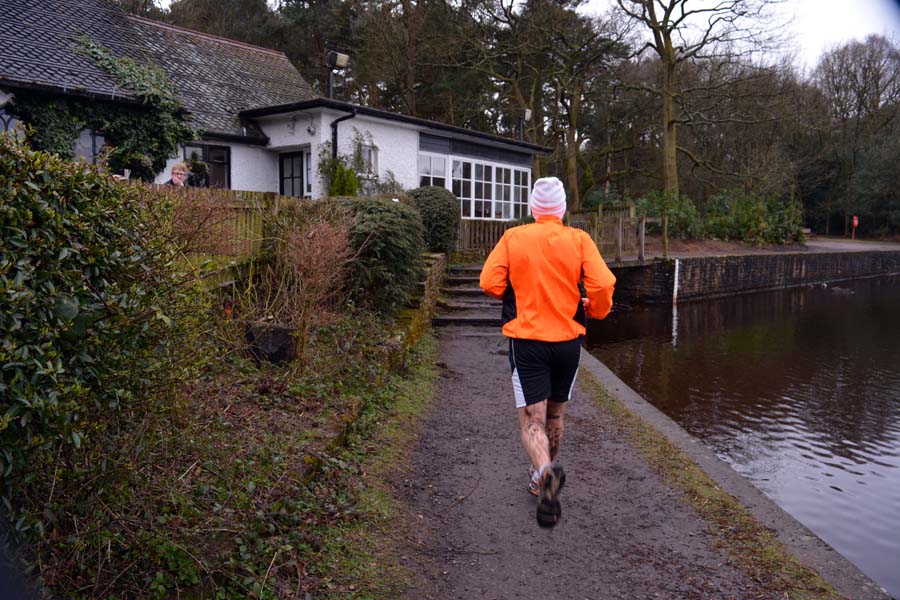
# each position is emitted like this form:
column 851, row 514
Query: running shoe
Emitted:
column 549, row 509
column 534, row 485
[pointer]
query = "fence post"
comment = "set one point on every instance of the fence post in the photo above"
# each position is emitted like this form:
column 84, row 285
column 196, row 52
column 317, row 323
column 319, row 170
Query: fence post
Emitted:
column 619, row 238
column 665, row 239
column 641, row 237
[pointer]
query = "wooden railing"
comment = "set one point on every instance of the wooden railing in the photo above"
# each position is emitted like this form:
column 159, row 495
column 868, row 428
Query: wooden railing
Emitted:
column 618, row 234
column 481, row 235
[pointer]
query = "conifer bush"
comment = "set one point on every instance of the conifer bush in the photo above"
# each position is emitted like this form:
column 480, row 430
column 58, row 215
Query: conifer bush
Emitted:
column 388, row 241
column 440, row 217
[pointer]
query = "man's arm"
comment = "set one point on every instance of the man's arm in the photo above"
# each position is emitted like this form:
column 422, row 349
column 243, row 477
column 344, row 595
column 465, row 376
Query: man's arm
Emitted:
column 495, row 273
column 598, row 280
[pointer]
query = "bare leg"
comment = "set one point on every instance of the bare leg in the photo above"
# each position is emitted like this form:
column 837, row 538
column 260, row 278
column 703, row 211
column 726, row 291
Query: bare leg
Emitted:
column 555, row 413
column 533, row 425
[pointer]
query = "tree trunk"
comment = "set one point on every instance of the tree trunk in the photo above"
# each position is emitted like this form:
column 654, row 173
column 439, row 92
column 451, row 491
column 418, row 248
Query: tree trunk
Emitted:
column 412, row 22
column 670, row 142
column 574, row 201
column 572, row 150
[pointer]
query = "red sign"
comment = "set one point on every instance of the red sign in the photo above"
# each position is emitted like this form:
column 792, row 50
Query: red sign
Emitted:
column 855, row 221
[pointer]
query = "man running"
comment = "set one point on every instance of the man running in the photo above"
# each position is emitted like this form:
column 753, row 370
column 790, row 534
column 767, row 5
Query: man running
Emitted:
column 536, row 270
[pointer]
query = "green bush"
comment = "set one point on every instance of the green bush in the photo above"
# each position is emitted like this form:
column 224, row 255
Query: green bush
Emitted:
column 684, row 219
column 739, row 215
column 600, row 197
column 388, row 241
column 94, row 317
column 344, row 182
column 440, row 217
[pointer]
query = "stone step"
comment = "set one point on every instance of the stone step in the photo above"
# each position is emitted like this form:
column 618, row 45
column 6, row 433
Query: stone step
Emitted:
column 462, row 280
column 464, row 291
column 466, row 270
column 486, row 305
column 467, row 319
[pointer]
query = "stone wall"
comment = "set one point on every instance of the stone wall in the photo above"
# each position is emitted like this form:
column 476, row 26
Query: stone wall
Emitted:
column 715, row 276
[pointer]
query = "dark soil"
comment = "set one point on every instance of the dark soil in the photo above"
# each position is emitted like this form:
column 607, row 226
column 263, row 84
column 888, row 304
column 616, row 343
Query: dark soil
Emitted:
column 624, row 532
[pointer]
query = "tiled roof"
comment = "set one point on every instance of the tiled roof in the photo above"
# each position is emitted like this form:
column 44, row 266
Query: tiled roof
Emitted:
column 215, row 78
column 37, row 41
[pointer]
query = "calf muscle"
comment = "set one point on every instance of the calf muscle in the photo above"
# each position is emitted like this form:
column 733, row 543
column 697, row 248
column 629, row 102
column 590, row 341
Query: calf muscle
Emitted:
column 533, row 426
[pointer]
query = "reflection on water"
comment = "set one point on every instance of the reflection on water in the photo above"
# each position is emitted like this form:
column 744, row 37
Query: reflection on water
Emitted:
column 799, row 390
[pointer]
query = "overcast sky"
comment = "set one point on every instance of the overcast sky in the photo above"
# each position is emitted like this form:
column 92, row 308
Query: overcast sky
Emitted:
column 821, row 24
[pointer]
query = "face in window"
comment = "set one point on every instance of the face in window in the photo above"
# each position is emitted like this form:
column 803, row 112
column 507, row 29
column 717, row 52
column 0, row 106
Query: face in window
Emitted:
column 179, row 176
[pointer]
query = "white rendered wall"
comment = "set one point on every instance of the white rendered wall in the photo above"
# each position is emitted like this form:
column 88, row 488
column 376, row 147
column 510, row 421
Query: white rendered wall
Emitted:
column 298, row 132
column 253, row 168
column 397, row 143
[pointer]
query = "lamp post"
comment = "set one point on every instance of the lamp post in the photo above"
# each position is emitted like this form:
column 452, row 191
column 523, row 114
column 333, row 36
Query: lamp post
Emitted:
column 335, row 60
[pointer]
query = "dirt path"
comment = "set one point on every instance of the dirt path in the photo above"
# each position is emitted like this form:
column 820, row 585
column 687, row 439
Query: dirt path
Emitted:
column 624, row 533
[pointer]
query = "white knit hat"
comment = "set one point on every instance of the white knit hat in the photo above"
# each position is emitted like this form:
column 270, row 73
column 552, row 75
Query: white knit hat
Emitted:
column 548, row 198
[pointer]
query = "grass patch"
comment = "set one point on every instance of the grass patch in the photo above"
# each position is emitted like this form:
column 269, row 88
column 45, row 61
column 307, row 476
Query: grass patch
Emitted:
column 752, row 546
column 365, row 552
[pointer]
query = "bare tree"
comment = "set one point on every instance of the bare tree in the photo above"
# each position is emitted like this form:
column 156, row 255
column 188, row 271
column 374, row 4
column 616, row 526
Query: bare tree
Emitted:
column 861, row 81
column 728, row 32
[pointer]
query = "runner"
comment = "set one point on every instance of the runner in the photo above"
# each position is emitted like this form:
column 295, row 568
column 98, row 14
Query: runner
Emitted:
column 536, row 270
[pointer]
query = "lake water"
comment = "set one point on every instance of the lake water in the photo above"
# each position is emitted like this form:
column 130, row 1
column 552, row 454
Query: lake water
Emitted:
column 798, row 390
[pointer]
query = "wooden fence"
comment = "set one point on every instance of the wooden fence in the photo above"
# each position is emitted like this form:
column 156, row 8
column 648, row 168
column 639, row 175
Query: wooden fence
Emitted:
column 481, row 235
column 618, row 233
column 229, row 224
column 219, row 223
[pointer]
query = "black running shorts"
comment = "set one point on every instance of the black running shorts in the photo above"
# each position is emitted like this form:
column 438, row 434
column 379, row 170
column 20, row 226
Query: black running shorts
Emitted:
column 543, row 370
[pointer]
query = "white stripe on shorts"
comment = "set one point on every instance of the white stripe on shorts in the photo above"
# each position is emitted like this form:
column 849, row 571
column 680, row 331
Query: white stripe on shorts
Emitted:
column 517, row 389
column 574, row 377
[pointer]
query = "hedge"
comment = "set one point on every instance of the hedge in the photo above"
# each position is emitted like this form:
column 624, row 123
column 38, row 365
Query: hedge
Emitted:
column 388, row 241
column 440, row 217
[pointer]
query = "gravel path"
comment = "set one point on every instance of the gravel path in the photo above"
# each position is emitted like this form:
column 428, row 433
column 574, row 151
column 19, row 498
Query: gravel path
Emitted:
column 624, row 533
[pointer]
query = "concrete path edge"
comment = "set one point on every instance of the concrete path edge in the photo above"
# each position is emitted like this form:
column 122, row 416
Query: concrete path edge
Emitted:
column 803, row 543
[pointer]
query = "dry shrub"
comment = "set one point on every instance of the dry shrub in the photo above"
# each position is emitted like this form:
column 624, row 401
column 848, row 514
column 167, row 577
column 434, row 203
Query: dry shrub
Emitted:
column 306, row 277
column 209, row 221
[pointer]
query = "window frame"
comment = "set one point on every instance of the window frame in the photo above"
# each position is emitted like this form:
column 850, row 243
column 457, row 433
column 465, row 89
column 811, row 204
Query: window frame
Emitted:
column 302, row 176
column 205, row 158
column 518, row 193
column 432, row 156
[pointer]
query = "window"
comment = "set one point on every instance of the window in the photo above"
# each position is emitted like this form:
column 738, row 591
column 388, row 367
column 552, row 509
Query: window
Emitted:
column 7, row 121
column 307, row 160
column 218, row 164
column 483, row 195
column 432, row 170
column 291, row 174
column 487, row 191
column 521, row 187
column 369, row 156
column 88, row 146
column 462, row 186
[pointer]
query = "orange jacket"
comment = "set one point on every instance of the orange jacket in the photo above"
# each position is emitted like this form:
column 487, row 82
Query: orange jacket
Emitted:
column 535, row 269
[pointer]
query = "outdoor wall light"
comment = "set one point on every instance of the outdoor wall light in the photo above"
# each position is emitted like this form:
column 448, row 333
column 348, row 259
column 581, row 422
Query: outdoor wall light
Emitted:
column 335, row 60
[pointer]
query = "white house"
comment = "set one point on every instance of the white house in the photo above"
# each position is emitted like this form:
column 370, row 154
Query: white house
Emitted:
column 490, row 175
column 262, row 126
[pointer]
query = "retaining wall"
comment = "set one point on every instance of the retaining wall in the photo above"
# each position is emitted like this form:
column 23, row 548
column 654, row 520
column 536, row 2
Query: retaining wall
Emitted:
column 715, row 276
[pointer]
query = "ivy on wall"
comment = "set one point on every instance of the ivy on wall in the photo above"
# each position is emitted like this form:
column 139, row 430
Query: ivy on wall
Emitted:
column 140, row 138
